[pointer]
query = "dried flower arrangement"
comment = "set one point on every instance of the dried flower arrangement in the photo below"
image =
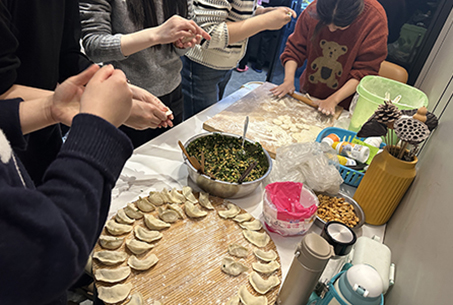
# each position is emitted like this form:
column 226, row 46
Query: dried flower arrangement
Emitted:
column 412, row 127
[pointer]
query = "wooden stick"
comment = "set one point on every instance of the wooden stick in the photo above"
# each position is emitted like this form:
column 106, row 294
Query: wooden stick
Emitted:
column 403, row 149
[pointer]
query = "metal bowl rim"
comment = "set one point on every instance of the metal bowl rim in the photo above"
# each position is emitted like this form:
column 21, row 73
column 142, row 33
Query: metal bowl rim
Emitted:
column 204, row 134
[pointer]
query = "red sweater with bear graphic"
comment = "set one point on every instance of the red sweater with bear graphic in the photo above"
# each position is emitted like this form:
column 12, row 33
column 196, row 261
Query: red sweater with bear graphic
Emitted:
column 335, row 57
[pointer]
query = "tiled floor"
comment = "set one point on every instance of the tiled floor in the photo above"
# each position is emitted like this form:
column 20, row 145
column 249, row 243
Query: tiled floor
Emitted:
column 240, row 78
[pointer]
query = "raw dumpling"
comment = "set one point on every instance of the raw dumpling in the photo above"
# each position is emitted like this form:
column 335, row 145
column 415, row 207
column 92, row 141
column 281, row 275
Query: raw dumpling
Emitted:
column 177, row 197
column 155, row 198
column 232, row 210
column 112, row 275
column 110, row 242
column 187, row 192
column 167, row 215
column 115, row 228
column 155, row 224
column 254, row 225
column 136, row 299
column 266, row 268
column 147, row 235
column 233, row 301
column 242, row 217
column 121, row 217
column 115, row 293
column 261, row 285
column 142, row 264
column 265, row 256
column 138, row 247
column 177, row 209
column 144, row 205
column 203, row 199
column 232, row 267
column 132, row 211
column 249, row 299
column 193, row 211
column 237, row 250
column 165, row 195
column 258, row 239
column 110, row 257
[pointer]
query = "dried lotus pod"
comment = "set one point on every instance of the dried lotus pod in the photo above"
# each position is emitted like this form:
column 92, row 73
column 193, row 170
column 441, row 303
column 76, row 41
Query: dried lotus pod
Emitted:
column 411, row 130
column 431, row 119
column 387, row 113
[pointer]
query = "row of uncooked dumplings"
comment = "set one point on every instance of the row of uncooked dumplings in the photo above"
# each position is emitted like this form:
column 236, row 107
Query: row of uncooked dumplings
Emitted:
column 235, row 268
column 123, row 223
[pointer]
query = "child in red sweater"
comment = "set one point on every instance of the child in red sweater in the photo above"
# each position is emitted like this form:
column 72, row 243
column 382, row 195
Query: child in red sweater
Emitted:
column 342, row 41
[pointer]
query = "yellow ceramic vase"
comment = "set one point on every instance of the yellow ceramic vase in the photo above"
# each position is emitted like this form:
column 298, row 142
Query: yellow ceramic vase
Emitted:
column 383, row 186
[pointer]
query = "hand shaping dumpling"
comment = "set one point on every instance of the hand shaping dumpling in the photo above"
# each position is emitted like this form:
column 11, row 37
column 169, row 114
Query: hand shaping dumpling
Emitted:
column 114, row 294
column 167, row 215
column 261, row 285
column 115, row 228
column 110, row 242
column 232, row 210
column 121, row 217
column 193, row 211
column 265, row 256
column 187, row 192
column 254, row 225
column 155, row 198
column 155, row 224
column 242, row 217
column 112, row 275
column 144, row 205
column 203, row 199
column 232, row 267
column 237, row 250
column 147, row 235
column 110, row 257
column 249, row 299
column 142, row 264
column 138, row 247
column 132, row 211
column 266, row 268
column 258, row 239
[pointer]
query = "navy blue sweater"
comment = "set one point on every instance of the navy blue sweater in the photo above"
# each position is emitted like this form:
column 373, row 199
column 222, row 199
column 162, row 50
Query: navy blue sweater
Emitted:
column 48, row 232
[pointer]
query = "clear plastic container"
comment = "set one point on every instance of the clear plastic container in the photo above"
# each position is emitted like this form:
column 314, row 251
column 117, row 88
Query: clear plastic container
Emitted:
column 289, row 225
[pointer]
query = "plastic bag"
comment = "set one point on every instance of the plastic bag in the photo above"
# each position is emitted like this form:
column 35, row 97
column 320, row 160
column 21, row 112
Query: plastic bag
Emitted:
column 315, row 164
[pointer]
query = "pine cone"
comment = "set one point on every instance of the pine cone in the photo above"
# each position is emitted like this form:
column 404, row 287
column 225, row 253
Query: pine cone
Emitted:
column 387, row 113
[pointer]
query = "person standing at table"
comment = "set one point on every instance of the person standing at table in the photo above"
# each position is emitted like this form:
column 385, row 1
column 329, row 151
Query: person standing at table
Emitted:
column 208, row 66
column 49, row 231
column 342, row 41
column 48, row 52
column 140, row 37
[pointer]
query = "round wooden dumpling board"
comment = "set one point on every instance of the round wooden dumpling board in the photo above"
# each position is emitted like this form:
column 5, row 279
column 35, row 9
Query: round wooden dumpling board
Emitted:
column 190, row 254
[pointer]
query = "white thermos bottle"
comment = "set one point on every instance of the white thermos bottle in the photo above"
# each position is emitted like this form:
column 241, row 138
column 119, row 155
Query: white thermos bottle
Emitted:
column 309, row 261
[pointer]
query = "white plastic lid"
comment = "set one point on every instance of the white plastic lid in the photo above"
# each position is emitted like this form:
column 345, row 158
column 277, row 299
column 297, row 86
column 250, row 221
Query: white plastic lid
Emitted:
column 367, row 278
column 374, row 141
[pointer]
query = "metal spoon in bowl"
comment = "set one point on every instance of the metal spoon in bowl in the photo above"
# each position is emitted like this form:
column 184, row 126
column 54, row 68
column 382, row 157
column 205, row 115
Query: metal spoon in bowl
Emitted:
column 246, row 125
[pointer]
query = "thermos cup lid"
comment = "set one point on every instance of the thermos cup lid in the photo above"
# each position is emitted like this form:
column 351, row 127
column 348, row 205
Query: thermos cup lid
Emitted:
column 340, row 236
column 314, row 251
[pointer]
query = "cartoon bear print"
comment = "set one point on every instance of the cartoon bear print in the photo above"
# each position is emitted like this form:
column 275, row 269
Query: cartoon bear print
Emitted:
column 327, row 67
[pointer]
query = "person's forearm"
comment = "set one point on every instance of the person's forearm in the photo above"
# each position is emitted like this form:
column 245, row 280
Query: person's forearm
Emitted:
column 290, row 71
column 241, row 30
column 135, row 42
column 35, row 114
column 24, row 92
column 345, row 91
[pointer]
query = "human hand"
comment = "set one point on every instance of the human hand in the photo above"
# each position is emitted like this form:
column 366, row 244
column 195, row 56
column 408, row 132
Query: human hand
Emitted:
column 326, row 106
column 283, row 89
column 188, row 42
column 278, row 17
column 151, row 116
column 108, row 96
column 180, row 29
column 66, row 99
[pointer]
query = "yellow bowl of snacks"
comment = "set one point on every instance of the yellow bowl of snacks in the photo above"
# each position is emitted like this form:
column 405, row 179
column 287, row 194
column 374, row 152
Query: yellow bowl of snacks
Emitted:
column 339, row 207
column 225, row 162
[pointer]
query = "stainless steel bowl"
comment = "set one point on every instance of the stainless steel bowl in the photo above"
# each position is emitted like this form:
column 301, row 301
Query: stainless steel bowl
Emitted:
column 221, row 188
column 357, row 209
